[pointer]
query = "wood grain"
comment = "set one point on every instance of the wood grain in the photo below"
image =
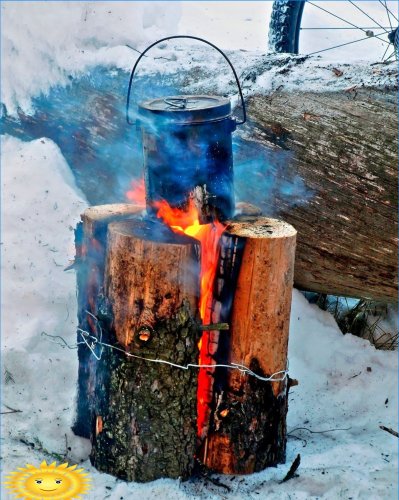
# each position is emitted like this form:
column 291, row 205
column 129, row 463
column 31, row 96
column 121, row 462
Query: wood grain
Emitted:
column 248, row 430
column 344, row 147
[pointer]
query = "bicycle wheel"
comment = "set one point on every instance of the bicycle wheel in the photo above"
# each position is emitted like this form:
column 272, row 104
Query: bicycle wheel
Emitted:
column 328, row 26
column 285, row 24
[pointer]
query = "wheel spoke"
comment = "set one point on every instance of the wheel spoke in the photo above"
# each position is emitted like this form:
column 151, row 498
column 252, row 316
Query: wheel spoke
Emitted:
column 392, row 14
column 362, row 28
column 388, row 58
column 365, row 13
column 386, row 50
column 342, row 45
column 389, row 17
column 347, row 22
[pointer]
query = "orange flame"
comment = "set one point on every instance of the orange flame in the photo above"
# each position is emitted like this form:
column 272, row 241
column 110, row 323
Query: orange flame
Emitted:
column 187, row 222
column 137, row 194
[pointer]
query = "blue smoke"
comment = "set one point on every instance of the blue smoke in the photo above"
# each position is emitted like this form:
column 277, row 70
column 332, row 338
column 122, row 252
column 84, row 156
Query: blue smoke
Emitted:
column 87, row 121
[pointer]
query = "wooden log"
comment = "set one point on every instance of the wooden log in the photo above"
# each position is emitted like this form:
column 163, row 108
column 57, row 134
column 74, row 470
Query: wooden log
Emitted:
column 343, row 145
column 248, row 423
column 90, row 239
column 146, row 411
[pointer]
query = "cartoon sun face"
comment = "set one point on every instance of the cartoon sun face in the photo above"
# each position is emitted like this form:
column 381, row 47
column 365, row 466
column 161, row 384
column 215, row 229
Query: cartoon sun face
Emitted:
column 48, row 481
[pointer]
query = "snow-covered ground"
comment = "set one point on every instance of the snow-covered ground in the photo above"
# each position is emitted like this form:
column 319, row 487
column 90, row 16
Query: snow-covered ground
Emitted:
column 346, row 386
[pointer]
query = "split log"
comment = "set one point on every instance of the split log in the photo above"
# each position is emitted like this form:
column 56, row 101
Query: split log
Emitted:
column 90, row 241
column 248, row 422
column 145, row 412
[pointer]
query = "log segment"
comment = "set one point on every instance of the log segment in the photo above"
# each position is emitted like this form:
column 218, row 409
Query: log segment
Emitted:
column 90, row 241
column 343, row 146
column 146, row 411
column 248, row 423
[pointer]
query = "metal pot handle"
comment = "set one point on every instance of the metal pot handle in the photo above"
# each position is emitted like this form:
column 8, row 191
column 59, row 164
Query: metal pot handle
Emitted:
column 244, row 113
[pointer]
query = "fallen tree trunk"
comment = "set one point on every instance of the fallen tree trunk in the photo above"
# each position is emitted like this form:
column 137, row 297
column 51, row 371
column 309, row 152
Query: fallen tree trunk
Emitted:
column 327, row 158
column 344, row 146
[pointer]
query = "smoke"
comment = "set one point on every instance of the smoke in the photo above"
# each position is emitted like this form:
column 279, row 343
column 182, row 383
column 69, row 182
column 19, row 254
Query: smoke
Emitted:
column 263, row 177
column 87, row 120
column 267, row 178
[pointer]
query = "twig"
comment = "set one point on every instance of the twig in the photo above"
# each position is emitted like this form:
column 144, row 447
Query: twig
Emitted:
column 388, row 429
column 132, row 48
column 318, row 432
column 216, row 482
column 215, row 326
column 71, row 266
column 136, row 50
column 203, row 472
column 381, row 62
column 37, row 445
column 291, row 473
column 12, row 410
column 165, row 58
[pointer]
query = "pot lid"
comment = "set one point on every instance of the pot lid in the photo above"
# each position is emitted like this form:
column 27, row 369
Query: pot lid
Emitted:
column 187, row 108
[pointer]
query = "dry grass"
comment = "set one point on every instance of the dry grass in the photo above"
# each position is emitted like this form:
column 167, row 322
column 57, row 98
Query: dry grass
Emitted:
column 366, row 319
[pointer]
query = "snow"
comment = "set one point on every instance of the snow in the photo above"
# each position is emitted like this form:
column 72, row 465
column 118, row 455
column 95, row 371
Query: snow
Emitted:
column 62, row 39
column 41, row 206
column 346, row 386
column 230, row 25
column 65, row 40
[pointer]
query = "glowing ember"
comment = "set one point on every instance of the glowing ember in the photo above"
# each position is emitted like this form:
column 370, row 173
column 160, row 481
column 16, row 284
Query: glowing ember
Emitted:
column 136, row 194
column 187, row 222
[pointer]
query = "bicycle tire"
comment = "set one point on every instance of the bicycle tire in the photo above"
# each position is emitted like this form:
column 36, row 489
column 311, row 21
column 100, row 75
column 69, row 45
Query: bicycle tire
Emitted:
column 394, row 39
column 285, row 25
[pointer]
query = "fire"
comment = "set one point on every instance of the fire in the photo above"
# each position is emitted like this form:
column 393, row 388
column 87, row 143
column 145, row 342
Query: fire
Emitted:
column 188, row 223
column 136, row 194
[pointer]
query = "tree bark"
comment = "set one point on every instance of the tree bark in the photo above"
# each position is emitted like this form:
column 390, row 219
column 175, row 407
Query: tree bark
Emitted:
column 248, row 419
column 90, row 241
column 145, row 412
column 344, row 147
